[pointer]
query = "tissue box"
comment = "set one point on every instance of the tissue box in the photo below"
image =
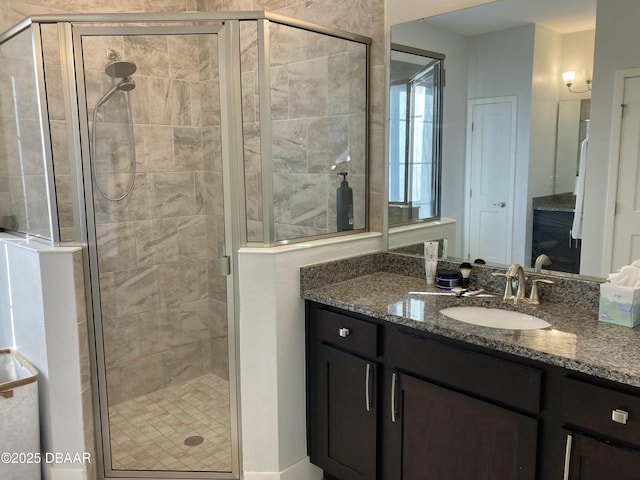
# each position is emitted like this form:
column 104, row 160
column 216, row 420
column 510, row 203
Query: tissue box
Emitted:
column 619, row 305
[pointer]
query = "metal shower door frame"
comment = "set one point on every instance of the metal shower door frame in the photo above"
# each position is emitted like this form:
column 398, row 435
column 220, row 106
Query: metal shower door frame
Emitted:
column 70, row 35
column 32, row 29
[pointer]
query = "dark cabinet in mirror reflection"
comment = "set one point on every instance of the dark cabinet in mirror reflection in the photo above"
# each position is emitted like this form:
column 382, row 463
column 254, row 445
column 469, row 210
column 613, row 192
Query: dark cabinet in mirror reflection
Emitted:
column 552, row 236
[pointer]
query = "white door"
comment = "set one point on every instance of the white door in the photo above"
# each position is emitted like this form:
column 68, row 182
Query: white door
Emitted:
column 626, row 236
column 491, row 179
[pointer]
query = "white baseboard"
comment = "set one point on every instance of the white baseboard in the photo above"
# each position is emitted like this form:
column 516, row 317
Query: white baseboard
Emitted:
column 53, row 472
column 302, row 470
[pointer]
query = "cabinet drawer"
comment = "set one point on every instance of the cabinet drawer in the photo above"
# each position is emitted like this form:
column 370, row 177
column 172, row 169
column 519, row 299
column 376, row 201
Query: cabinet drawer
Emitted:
column 511, row 384
column 348, row 333
column 591, row 407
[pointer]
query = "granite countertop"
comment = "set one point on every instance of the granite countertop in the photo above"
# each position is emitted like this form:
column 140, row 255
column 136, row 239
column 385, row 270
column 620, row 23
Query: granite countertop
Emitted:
column 562, row 202
column 576, row 340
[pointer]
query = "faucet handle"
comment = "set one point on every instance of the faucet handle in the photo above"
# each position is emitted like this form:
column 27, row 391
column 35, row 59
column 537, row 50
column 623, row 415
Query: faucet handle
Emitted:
column 508, row 288
column 534, row 298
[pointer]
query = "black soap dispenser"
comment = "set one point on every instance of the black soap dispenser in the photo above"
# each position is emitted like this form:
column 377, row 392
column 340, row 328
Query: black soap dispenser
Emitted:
column 344, row 205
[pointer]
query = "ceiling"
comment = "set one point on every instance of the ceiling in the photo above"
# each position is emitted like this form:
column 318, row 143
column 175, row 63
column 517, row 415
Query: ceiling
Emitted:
column 400, row 11
column 562, row 16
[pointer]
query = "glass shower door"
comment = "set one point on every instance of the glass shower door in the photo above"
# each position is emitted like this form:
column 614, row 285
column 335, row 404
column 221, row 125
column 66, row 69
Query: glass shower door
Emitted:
column 152, row 149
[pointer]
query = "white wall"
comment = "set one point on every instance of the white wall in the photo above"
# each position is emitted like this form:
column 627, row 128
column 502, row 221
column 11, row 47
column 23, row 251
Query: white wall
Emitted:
column 42, row 306
column 577, row 56
column 423, row 232
column 501, row 64
column 616, row 48
column 544, row 115
column 6, row 329
column 272, row 353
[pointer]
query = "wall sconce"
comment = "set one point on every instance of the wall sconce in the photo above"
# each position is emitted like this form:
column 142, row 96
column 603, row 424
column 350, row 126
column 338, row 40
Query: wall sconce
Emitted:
column 569, row 77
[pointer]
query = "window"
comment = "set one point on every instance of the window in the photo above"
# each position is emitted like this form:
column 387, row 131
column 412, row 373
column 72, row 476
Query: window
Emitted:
column 415, row 135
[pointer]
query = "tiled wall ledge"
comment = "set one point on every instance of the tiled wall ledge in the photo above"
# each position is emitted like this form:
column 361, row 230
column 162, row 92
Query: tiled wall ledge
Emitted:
column 569, row 290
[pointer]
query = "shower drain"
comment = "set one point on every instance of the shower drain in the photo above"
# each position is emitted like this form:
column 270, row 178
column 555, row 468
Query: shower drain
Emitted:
column 193, row 441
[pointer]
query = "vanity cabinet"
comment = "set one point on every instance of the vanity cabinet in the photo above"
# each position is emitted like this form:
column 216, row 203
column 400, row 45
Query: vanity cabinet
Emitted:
column 592, row 459
column 383, row 404
column 389, row 402
column 341, row 392
column 436, row 432
column 603, row 431
column 458, row 414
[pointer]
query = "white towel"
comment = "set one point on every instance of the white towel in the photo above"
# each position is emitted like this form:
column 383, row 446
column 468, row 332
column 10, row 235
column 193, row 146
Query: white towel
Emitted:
column 576, row 230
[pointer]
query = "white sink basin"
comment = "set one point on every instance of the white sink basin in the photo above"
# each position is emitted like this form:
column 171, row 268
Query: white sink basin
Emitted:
column 495, row 318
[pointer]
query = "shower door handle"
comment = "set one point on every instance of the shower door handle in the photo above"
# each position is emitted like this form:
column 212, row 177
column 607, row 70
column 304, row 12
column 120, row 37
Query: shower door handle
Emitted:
column 225, row 266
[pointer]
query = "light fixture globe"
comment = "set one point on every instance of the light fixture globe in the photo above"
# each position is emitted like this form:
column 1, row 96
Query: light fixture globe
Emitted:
column 568, row 78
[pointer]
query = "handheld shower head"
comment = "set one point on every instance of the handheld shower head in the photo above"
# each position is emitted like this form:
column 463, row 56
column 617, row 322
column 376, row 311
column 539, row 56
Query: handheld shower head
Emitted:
column 125, row 85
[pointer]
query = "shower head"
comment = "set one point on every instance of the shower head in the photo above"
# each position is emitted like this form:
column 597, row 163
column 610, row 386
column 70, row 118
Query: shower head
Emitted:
column 125, row 85
column 119, row 68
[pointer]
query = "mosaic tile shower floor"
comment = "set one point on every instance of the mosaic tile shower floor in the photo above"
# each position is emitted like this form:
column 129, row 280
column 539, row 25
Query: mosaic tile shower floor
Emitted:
column 149, row 432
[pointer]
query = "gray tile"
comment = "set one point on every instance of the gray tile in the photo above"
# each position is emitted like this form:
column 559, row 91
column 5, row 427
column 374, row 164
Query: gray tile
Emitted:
column 159, row 331
column 121, row 340
column 308, row 88
column 328, row 142
column 194, row 321
column 289, row 146
column 116, row 246
column 136, row 290
column 184, row 56
column 187, row 149
column 182, row 364
column 296, row 199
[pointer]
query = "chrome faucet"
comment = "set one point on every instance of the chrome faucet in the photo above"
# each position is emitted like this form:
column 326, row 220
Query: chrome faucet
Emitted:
column 514, row 270
column 520, row 296
column 541, row 261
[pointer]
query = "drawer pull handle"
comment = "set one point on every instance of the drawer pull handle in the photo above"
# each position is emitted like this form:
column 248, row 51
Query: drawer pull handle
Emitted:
column 344, row 332
column 367, row 394
column 394, row 381
column 567, row 457
column 620, row 416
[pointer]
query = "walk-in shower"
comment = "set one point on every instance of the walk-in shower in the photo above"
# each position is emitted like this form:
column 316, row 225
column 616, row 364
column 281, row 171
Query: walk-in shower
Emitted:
column 116, row 68
column 196, row 134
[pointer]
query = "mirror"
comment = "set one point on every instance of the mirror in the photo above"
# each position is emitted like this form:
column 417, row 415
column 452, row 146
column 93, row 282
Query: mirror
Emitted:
column 415, row 99
column 503, row 72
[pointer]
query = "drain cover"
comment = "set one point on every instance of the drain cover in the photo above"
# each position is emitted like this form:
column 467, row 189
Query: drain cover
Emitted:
column 193, row 441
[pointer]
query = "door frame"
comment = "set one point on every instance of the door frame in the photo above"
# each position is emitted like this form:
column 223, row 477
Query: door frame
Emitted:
column 513, row 100
column 78, row 119
column 614, row 164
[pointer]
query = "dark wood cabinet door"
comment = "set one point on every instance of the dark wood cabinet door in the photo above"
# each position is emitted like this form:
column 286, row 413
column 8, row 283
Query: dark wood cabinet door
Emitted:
column 345, row 405
column 441, row 434
column 595, row 460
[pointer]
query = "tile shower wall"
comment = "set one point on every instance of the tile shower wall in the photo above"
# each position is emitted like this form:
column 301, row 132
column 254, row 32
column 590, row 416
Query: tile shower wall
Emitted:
column 23, row 191
column 163, row 300
column 318, row 113
column 365, row 17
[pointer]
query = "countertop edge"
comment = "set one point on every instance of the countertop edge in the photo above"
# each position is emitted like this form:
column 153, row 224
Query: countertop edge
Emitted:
column 599, row 371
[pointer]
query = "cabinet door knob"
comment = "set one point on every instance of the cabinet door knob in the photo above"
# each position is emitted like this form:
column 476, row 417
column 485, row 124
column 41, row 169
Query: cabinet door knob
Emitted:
column 620, row 416
column 344, row 332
